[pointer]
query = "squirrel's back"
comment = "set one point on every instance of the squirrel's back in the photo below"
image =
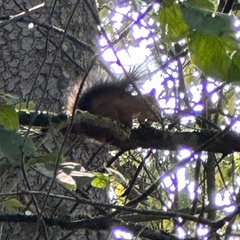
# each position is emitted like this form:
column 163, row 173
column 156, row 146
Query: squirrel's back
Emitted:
column 115, row 100
column 99, row 92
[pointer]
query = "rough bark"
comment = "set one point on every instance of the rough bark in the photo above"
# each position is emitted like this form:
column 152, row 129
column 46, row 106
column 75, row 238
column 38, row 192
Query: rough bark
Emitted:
column 45, row 52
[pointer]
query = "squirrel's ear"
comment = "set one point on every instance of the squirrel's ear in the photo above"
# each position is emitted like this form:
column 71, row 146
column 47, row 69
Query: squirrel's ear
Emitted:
column 152, row 92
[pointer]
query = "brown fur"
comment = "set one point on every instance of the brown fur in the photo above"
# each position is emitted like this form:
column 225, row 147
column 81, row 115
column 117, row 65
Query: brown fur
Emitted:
column 114, row 101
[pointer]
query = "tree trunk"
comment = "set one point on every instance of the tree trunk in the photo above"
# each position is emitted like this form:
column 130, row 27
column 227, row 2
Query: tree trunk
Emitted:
column 45, row 52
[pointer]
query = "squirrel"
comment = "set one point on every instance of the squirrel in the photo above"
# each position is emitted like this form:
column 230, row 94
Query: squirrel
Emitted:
column 115, row 100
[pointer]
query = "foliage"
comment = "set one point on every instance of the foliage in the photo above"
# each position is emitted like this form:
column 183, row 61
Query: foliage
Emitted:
column 211, row 37
column 12, row 145
column 192, row 61
column 12, row 205
column 195, row 51
column 8, row 117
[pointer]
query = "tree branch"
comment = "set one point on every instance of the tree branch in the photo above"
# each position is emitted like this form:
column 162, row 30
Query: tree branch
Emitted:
column 98, row 223
column 106, row 130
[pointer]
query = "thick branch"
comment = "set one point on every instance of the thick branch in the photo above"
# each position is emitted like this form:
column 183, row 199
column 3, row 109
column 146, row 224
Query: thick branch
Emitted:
column 104, row 129
column 148, row 137
column 98, row 223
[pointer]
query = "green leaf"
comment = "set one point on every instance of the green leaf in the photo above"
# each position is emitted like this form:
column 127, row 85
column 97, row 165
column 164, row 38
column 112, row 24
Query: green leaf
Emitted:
column 8, row 99
column 167, row 225
column 171, row 22
column 77, row 172
column 234, row 70
column 204, row 4
column 44, row 170
column 71, row 175
column 117, row 175
column 12, row 205
column 215, row 56
column 8, row 117
column 119, row 190
column 208, row 22
column 101, row 180
column 26, row 106
column 48, row 159
column 67, row 181
column 12, row 144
